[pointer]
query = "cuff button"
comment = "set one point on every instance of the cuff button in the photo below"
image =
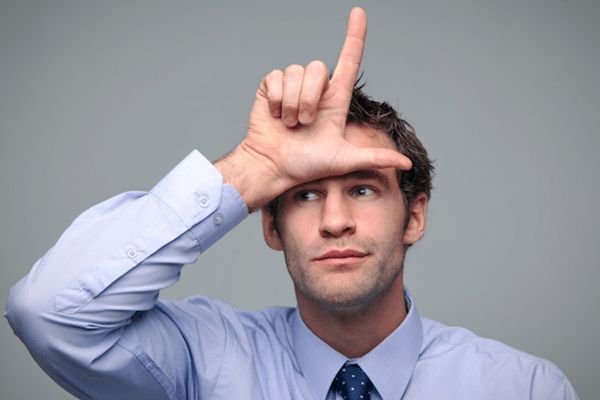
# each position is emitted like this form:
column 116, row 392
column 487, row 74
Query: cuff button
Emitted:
column 203, row 201
column 218, row 219
column 132, row 253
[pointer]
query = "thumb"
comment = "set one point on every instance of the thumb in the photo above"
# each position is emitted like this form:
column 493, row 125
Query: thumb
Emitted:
column 376, row 158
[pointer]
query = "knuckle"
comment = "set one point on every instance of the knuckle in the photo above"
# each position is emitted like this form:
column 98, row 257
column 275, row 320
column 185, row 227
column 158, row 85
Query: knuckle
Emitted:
column 275, row 100
column 294, row 69
column 273, row 76
column 289, row 105
column 317, row 66
column 307, row 103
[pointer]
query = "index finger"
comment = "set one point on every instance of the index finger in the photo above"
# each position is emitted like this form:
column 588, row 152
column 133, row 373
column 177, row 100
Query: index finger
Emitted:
column 348, row 64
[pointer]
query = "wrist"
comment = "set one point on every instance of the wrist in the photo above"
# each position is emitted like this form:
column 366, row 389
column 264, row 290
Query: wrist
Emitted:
column 256, row 183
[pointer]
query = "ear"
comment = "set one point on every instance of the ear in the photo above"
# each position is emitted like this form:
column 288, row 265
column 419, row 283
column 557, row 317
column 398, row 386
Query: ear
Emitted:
column 272, row 237
column 418, row 220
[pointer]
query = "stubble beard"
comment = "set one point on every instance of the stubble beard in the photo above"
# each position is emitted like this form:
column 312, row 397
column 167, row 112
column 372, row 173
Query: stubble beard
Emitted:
column 379, row 270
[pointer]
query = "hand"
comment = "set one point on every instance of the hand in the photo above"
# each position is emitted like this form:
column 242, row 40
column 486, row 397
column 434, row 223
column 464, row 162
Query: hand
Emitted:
column 296, row 127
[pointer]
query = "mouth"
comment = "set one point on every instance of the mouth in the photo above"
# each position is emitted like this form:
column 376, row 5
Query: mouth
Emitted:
column 341, row 257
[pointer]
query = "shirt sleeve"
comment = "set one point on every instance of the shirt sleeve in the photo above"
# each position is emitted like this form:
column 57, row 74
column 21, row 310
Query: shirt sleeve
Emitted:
column 74, row 309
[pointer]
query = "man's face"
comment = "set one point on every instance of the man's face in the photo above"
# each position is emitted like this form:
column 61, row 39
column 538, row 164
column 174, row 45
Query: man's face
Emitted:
column 343, row 237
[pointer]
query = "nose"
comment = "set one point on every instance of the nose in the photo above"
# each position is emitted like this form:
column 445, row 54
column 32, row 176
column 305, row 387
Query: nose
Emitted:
column 336, row 216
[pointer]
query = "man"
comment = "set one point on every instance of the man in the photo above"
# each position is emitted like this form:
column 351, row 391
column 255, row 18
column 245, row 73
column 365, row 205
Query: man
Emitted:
column 341, row 199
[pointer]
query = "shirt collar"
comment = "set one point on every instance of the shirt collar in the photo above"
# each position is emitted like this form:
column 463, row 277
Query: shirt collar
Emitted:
column 389, row 365
column 318, row 361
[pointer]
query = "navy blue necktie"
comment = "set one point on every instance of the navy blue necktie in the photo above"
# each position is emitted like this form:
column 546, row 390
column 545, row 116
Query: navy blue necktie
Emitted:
column 353, row 383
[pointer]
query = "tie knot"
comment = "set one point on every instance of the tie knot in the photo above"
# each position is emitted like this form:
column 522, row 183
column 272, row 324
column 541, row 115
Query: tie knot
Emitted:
column 353, row 383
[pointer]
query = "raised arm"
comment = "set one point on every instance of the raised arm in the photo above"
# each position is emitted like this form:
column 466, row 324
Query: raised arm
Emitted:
column 88, row 310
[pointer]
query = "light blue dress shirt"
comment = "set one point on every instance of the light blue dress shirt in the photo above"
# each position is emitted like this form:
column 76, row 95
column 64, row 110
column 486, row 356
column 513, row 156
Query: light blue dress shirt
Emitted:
column 89, row 315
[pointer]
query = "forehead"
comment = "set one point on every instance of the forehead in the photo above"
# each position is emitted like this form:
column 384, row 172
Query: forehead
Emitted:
column 366, row 136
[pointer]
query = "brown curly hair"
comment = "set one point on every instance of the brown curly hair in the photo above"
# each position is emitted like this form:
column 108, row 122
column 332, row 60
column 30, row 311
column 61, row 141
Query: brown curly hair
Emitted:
column 381, row 116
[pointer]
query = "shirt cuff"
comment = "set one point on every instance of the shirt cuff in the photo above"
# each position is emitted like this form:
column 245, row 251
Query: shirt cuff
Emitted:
column 209, row 208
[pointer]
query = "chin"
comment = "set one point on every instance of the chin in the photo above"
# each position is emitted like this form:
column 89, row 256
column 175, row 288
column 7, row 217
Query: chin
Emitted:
column 342, row 300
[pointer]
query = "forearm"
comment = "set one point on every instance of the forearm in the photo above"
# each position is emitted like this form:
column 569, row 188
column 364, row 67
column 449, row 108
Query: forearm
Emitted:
column 112, row 262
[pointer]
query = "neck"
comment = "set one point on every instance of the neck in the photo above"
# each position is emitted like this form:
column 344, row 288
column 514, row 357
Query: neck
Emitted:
column 356, row 331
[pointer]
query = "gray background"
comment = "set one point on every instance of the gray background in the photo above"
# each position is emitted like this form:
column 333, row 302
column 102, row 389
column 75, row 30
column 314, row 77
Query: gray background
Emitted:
column 100, row 97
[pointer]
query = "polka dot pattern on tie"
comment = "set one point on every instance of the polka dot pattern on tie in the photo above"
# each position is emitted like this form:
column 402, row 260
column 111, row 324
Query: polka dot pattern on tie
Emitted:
column 352, row 383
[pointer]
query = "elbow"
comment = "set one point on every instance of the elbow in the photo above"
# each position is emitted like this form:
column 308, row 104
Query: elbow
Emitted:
column 29, row 317
column 46, row 336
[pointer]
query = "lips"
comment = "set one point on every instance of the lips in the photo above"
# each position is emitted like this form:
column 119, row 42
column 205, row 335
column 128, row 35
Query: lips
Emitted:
column 341, row 257
column 341, row 254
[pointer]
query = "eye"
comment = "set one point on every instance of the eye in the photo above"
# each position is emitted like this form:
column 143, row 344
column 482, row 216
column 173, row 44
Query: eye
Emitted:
column 307, row 195
column 363, row 191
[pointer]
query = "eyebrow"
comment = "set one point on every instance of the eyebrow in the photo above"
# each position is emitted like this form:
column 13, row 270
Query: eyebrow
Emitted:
column 368, row 174
column 363, row 174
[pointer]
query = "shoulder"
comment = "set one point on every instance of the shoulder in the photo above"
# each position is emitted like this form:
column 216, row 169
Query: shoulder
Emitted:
column 440, row 340
column 464, row 356
column 198, row 314
column 438, row 337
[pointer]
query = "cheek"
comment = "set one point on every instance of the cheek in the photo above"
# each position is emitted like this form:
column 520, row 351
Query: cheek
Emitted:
column 384, row 219
column 297, row 225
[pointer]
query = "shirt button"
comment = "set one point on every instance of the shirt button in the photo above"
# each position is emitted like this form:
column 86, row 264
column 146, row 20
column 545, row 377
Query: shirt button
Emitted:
column 132, row 253
column 203, row 201
column 218, row 218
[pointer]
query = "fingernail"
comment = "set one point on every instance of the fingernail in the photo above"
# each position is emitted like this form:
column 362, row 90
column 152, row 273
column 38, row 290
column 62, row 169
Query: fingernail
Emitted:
column 289, row 120
column 305, row 116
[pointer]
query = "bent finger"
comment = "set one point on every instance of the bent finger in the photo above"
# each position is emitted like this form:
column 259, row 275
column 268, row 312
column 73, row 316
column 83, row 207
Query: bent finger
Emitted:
column 316, row 79
column 292, row 85
column 273, row 89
